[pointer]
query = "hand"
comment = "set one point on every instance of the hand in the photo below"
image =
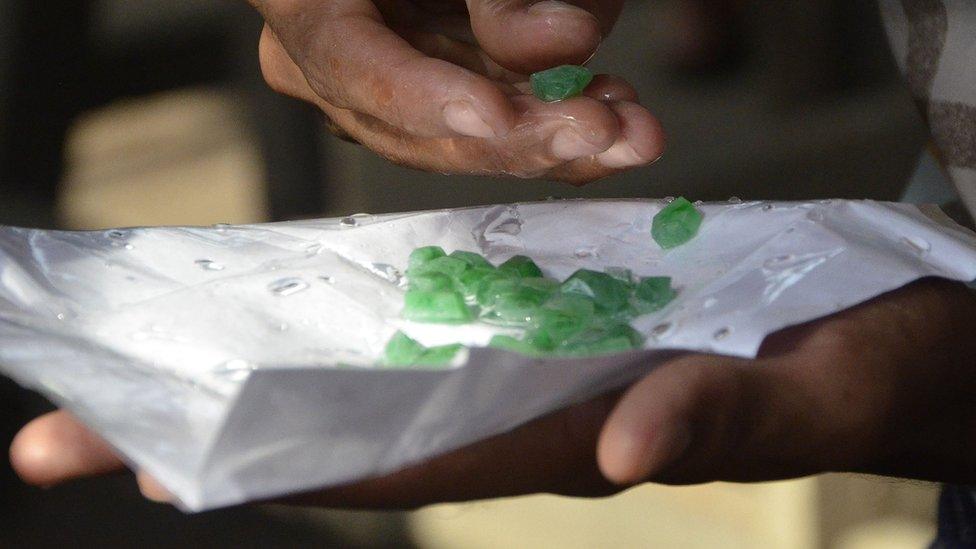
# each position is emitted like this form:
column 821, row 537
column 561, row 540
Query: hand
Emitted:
column 886, row 387
column 441, row 86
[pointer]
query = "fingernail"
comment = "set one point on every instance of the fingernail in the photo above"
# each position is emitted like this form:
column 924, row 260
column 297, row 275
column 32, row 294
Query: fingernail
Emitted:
column 551, row 7
column 152, row 490
column 664, row 450
column 462, row 118
column 569, row 145
column 620, row 155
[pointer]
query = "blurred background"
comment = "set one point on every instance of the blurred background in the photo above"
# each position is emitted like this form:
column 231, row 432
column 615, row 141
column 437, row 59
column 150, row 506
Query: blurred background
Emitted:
column 148, row 112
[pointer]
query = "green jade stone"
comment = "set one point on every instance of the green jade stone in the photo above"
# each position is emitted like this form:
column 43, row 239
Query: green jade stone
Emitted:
column 474, row 278
column 515, row 305
column 597, row 341
column 510, row 343
column 472, row 259
column 522, row 266
column 402, row 350
column 676, row 223
column 622, row 274
column 609, row 294
column 560, row 83
column 442, row 307
column 450, row 266
column 421, row 256
column 492, row 287
column 431, row 282
column 653, row 293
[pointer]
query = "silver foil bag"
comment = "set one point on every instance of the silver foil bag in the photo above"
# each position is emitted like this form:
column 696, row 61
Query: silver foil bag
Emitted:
column 240, row 362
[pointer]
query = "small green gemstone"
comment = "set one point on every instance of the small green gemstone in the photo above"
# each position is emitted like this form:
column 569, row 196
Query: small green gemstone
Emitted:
column 676, row 223
column 609, row 294
column 436, row 306
column 653, row 293
column 514, row 306
column 431, row 282
column 440, row 355
column 510, row 343
column 472, row 259
column 492, row 287
column 558, row 326
column 421, row 256
column 521, row 266
column 622, row 274
column 401, row 350
column 560, row 83
column 471, row 280
column 451, row 266
column 603, row 340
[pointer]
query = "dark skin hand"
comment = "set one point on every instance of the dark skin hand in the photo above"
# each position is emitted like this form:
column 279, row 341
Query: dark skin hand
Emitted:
column 886, row 387
column 442, row 85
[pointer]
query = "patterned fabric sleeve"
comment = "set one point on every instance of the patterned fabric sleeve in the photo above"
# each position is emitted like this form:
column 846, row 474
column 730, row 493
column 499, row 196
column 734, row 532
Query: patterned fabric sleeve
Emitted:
column 934, row 42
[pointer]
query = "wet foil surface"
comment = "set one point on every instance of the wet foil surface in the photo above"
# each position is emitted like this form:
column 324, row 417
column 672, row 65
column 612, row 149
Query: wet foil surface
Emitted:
column 239, row 362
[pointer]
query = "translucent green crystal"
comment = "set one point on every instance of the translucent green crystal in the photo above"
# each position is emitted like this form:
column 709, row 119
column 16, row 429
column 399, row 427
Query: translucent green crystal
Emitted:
column 603, row 340
column 622, row 274
column 560, row 83
column 436, row 306
column 609, row 294
column 474, row 278
column 653, row 293
column 450, row 266
column 676, row 223
column 513, row 344
column 472, row 259
column 421, row 256
column 492, row 287
column 430, row 282
column 521, row 266
column 513, row 305
column 401, row 350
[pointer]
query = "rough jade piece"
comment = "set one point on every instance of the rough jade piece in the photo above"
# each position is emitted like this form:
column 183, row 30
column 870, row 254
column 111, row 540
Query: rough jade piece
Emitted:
column 602, row 340
column 447, row 307
column 546, row 285
column 514, row 305
column 420, row 256
column 492, row 287
column 676, row 223
column 514, row 344
column 622, row 274
column 451, row 266
column 431, row 282
column 474, row 278
column 558, row 326
column 402, row 350
column 609, row 294
column 653, row 293
column 560, row 83
column 472, row 259
column 521, row 266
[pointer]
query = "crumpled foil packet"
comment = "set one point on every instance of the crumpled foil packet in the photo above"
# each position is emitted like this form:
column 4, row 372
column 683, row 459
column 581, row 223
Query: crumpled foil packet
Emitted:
column 236, row 363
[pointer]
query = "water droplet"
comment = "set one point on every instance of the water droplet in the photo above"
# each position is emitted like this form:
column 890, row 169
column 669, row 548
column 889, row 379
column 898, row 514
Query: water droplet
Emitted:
column 221, row 227
column 918, row 245
column 209, row 265
column 709, row 303
column 735, row 200
column 767, row 207
column 722, row 333
column 62, row 316
column 287, row 286
column 668, row 199
column 327, row 279
column 661, row 330
column 778, row 260
column 698, row 202
column 815, row 216
column 388, row 272
column 363, row 218
column 510, row 227
column 129, row 247
column 583, row 253
column 348, row 222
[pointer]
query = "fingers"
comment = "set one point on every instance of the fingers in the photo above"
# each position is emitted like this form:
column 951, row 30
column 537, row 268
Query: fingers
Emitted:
column 704, row 418
column 526, row 36
column 352, row 60
column 552, row 454
column 56, row 447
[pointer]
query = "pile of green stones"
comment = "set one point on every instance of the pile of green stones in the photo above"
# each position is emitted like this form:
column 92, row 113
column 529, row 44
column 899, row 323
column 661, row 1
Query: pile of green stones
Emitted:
column 587, row 314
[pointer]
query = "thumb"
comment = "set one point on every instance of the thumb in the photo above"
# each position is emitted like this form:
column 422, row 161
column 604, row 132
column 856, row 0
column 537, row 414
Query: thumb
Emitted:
column 704, row 418
column 526, row 36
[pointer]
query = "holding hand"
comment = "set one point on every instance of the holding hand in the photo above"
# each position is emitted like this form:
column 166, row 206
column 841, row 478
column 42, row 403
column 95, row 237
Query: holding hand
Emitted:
column 441, row 85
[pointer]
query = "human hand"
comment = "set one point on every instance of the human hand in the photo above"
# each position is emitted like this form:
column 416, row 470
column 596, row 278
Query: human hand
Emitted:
column 440, row 85
column 886, row 387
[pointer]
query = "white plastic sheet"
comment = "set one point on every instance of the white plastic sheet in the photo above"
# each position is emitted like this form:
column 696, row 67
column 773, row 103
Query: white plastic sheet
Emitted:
column 237, row 363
